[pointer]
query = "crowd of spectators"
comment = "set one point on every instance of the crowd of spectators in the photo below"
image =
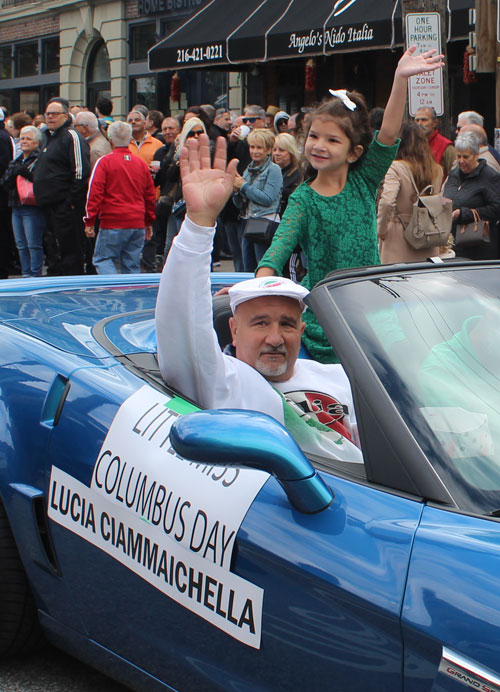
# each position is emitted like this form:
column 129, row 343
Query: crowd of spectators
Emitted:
column 74, row 198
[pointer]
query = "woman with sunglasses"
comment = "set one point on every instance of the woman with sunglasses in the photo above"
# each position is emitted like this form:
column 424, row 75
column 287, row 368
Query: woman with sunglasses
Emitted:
column 198, row 112
column 169, row 179
column 257, row 193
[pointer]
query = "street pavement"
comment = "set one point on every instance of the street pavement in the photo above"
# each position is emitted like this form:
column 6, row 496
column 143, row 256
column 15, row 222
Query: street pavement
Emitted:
column 51, row 670
column 225, row 266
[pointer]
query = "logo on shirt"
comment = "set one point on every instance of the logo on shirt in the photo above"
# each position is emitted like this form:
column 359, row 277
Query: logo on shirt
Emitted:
column 127, row 157
column 325, row 408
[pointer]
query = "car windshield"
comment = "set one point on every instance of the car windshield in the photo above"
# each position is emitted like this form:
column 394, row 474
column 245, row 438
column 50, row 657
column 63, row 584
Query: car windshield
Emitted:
column 433, row 338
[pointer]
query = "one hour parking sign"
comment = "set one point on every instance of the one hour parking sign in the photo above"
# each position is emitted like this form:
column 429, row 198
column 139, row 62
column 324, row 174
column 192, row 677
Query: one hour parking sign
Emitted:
column 425, row 90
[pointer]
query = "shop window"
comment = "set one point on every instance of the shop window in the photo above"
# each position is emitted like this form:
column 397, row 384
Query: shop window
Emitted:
column 99, row 70
column 7, row 100
column 144, row 90
column 50, row 55
column 27, row 59
column 216, row 89
column 98, row 74
column 29, row 101
column 168, row 26
column 142, row 37
column 47, row 93
column 5, row 62
column 209, row 86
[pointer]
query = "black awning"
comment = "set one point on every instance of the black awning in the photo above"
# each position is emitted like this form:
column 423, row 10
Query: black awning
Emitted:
column 328, row 27
column 249, row 42
column 221, row 33
column 201, row 41
column 225, row 33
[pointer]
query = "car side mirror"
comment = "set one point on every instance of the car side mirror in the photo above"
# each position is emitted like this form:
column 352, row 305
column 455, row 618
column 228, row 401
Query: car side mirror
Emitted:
column 247, row 439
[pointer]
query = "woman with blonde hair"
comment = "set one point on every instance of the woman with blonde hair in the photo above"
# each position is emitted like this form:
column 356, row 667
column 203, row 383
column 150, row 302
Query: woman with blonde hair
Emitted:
column 257, row 192
column 193, row 127
column 286, row 155
column 413, row 169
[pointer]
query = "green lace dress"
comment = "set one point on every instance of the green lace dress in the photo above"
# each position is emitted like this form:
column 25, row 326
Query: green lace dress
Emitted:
column 334, row 232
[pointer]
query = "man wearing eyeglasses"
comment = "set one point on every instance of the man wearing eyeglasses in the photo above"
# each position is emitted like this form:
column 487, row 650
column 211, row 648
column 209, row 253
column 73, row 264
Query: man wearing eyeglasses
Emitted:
column 253, row 117
column 60, row 186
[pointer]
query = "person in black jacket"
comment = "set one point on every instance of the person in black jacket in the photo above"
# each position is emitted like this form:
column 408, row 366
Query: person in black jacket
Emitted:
column 6, row 239
column 28, row 220
column 222, row 122
column 60, row 186
column 472, row 184
column 6, row 145
column 152, row 254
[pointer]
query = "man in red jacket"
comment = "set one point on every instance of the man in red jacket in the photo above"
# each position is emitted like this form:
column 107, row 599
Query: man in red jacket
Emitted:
column 121, row 193
column 442, row 148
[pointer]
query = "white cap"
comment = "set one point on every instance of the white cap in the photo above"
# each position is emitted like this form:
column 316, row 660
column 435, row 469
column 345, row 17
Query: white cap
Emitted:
column 266, row 286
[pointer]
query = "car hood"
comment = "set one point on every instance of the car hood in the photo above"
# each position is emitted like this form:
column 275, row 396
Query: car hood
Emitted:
column 67, row 312
column 91, row 316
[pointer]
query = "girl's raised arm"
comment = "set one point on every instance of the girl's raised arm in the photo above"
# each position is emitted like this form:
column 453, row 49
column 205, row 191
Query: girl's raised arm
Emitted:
column 408, row 65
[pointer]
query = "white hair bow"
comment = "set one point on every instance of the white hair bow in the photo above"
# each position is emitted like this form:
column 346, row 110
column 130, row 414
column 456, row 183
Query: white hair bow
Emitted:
column 342, row 95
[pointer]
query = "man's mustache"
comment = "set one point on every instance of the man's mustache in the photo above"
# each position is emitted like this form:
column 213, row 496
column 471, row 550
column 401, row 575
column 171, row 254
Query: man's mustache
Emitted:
column 274, row 349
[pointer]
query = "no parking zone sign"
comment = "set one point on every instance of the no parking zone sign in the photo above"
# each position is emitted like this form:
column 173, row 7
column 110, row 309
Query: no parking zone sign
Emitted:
column 423, row 29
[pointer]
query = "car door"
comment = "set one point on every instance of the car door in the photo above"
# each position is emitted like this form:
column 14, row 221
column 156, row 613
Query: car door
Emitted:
column 422, row 351
column 302, row 601
column 333, row 584
column 450, row 614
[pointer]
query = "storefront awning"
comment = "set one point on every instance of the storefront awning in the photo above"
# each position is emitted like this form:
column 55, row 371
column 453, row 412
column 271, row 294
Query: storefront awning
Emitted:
column 221, row 33
column 248, row 42
column 260, row 30
column 327, row 27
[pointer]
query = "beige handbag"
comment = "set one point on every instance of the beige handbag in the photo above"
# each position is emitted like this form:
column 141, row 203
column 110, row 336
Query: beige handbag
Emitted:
column 430, row 222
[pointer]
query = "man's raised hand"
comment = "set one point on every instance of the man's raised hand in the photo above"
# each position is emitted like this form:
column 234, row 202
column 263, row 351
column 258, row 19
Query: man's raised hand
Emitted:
column 206, row 187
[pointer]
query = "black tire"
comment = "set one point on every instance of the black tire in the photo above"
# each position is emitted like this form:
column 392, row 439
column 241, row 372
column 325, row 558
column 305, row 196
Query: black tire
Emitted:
column 19, row 626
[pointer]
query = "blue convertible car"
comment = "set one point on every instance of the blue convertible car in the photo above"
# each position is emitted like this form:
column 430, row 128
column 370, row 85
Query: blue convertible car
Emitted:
column 178, row 549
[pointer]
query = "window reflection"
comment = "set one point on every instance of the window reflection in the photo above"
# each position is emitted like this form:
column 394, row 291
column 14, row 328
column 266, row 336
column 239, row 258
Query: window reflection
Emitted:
column 434, row 341
column 144, row 90
column 5, row 62
column 50, row 55
column 27, row 59
column 142, row 37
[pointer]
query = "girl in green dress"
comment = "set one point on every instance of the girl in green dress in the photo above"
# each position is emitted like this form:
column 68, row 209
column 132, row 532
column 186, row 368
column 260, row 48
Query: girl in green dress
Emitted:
column 332, row 215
